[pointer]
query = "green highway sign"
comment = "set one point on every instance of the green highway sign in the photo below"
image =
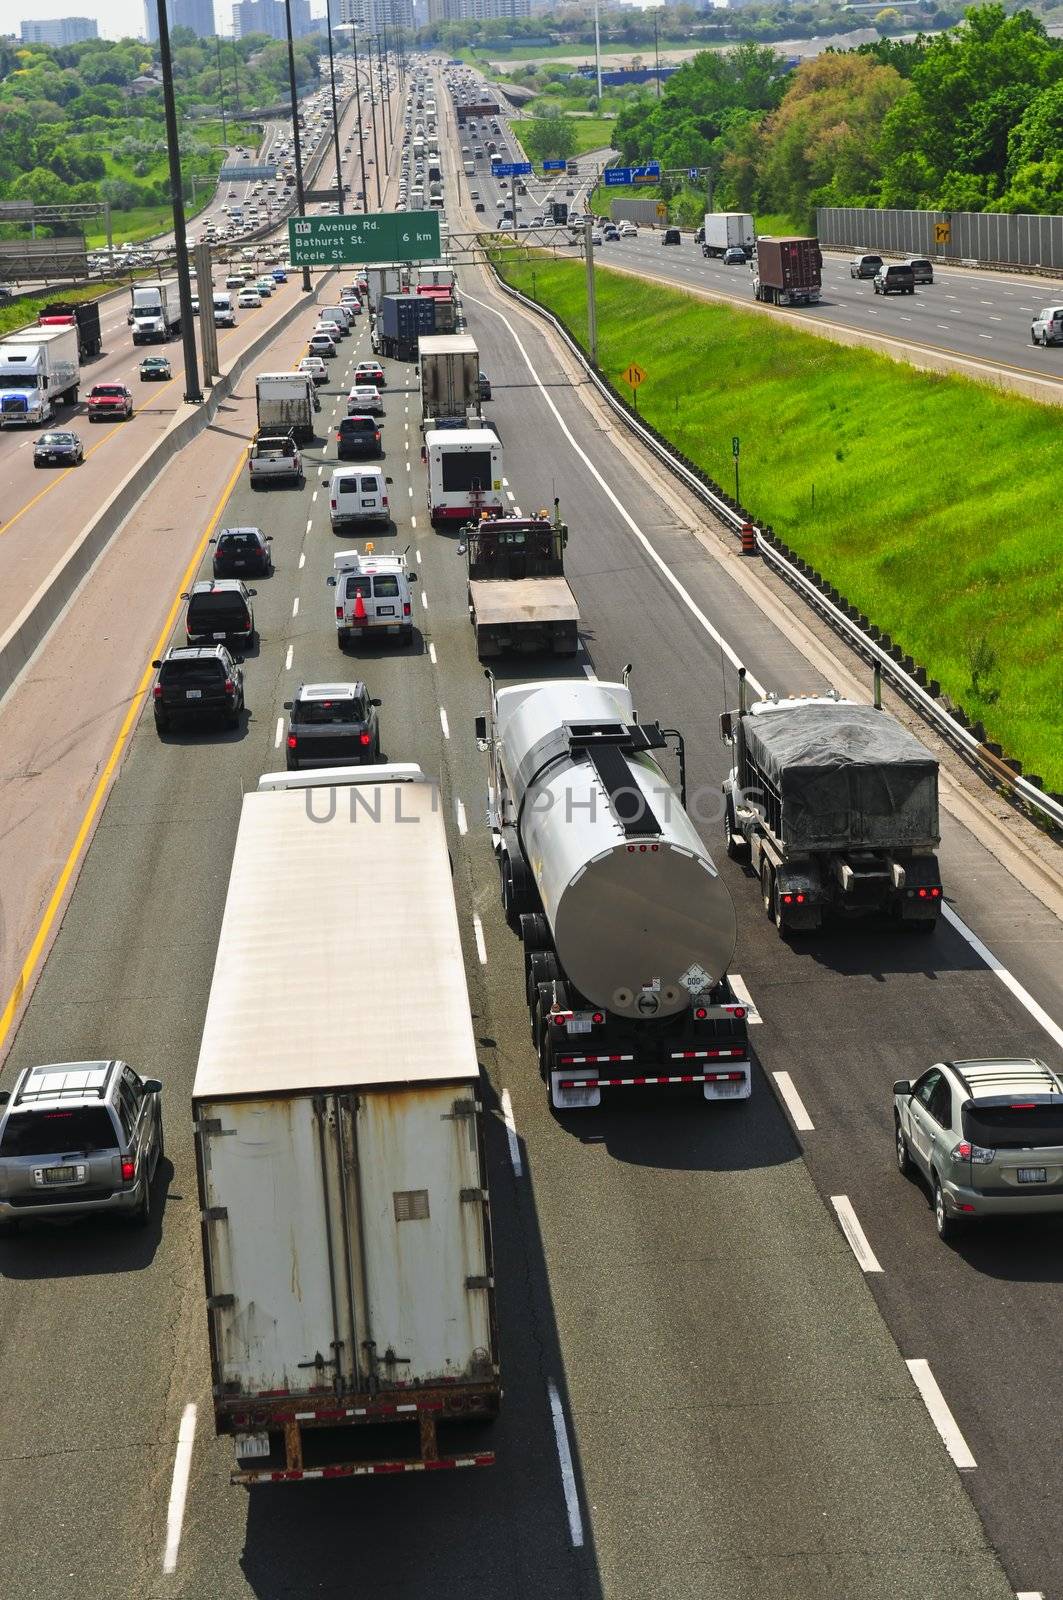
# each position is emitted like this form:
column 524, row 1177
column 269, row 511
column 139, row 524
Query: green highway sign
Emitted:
column 380, row 236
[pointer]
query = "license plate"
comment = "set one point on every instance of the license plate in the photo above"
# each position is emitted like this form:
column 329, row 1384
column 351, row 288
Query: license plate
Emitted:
column 578, row 1025
column 193, row 694
column 239, row 563
column 385, row 611
column 60, row 1174
column 368, row 505
column 727, row 1088
column 1032, row 1175
column 218, row 636
column 252, row 1444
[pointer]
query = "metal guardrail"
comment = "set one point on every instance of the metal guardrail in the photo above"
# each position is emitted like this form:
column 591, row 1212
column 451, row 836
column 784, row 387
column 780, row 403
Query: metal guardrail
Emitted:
column 903, row 679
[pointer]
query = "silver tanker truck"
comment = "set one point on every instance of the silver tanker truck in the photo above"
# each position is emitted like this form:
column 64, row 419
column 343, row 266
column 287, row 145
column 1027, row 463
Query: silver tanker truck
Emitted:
column 628, row 930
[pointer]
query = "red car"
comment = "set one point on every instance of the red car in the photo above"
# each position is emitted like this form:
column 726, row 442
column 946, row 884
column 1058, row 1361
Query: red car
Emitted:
column 109, row 400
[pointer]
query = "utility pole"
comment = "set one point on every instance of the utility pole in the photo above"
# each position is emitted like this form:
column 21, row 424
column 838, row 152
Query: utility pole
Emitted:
column 193, row 393
column 358, row 112
column 382, row 75
column 236, row 77
column 300, row 200
column 335, row 116
column 592, row 301
column 656, row 55
column 598, row 54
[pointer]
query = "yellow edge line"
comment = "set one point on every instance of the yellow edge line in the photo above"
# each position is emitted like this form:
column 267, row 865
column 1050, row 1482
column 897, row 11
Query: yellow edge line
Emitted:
column 51, row 910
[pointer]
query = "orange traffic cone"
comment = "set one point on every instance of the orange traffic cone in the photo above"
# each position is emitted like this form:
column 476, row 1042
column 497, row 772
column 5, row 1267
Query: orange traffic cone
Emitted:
column 749, row 539
column 359, row 608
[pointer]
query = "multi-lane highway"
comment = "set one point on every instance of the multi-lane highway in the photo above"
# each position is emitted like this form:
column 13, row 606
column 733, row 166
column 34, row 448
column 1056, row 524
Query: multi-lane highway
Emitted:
column 977, row 316
column 680, row 1310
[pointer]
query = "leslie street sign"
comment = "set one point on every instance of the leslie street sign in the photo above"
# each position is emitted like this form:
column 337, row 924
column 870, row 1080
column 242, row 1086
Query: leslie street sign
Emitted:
column 381, row 236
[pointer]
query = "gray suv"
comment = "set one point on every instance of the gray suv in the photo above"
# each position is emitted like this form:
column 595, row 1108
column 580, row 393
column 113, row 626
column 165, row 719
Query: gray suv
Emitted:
column 987, row 1136
column 78, row 1137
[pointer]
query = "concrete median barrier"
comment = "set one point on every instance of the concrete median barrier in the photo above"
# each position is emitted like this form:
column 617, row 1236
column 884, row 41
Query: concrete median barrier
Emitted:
column 47, row 604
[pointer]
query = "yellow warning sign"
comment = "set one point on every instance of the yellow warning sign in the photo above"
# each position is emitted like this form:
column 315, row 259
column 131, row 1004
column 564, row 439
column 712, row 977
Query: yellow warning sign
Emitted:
column 942, row 232
column 662, row 210
column 634, row 376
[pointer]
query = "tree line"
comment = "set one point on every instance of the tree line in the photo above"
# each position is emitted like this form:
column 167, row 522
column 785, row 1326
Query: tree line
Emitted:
column 970, row 119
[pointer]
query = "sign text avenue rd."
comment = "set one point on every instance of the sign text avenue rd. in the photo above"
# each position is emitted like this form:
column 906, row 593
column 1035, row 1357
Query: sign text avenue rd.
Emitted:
column 358, row 240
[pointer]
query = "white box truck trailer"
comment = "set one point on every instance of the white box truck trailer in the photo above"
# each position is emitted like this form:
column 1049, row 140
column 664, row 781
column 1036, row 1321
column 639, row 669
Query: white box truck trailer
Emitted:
column 723, row 230
column 39, row 370
column 339, row 1143
column 286, row 402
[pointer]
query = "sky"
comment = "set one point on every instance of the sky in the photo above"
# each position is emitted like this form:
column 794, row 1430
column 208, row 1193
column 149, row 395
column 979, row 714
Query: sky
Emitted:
column 118, row 19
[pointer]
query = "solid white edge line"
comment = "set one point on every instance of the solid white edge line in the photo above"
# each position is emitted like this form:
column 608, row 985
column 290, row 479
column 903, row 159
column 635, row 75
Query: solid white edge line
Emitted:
column 1023, row 996
column 850, row 1226
column 1030, row 1594
column 793, row 1102
column 279, row 735
column 940, row 1415
column 564, row 1456
column 741, row 989
column 182, row 1466
column 478, row 935
column 511, row 1134
column 444, row 724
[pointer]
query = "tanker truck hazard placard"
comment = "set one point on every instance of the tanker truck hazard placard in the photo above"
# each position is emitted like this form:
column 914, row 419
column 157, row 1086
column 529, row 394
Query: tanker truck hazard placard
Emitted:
column 695, row 978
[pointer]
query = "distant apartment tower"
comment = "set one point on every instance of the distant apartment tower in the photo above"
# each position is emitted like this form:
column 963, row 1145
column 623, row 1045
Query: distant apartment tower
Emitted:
column 267, row 16
column 477, row 10
column 195, row 14
column 371, row 16
column 60, row 30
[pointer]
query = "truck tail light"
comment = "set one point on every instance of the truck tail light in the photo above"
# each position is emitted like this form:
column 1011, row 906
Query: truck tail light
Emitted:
column 365, row 738
column 229, row 686
column 156, row 693
column 384, row 501
column 129, row 1169
column 292, row 741
column 332, row 504
column 598, row 1016
column 339, row 613
column 405, row 608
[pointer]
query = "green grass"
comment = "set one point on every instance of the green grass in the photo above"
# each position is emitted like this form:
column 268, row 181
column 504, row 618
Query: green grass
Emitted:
column 23, row 312
column 930, row 501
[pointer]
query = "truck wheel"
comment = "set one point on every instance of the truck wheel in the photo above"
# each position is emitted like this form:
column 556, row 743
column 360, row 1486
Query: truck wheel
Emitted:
column 542, row 968
column 736, row 852
column 535, row 931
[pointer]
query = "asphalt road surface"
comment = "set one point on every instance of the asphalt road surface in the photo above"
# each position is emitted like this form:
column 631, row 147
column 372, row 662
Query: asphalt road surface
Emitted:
column 679, row 1307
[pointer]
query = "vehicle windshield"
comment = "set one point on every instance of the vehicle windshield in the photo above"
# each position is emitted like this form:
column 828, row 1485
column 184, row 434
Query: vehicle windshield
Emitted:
column 1013, row 1127
column 56, row 438
column 68, row 1128
column 108, row 391
column 238, row 541
column 208, row 611
column 192, row 671
column 323, row 712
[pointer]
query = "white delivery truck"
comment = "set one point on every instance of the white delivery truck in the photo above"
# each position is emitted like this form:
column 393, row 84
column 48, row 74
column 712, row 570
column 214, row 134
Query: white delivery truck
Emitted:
column 343, row 1195
column 39, row 370
column 464, row 474
column 286, row 404
column 156, row 313
column 449, row 373
column 724, row 229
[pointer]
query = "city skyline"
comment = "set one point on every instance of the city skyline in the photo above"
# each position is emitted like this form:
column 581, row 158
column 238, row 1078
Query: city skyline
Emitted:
column 117, row 19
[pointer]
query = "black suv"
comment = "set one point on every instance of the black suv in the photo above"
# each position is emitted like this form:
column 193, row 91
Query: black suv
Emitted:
column 358, row 436
column 198, row 684
column 219, row 612
column 332, row 724
column 896, row 278
column 240, row 550
column 671, row 236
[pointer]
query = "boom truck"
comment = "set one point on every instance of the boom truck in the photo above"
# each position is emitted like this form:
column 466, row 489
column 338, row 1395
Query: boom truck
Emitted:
column 39, row 371
column 84, row 315
column 344, row 1210
column 519, row 598
column 156, row 311
column 835, row 807
column 627, row 928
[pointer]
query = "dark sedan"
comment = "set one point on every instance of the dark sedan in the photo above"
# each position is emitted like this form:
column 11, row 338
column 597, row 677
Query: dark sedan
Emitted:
column 58, row 450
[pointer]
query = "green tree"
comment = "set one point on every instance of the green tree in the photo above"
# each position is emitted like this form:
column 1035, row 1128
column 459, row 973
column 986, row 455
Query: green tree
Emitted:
column 549, row 136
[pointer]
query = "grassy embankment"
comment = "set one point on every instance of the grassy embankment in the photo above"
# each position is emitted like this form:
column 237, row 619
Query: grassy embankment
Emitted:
column 21, row 313
column 144, row 222
column 930, row 501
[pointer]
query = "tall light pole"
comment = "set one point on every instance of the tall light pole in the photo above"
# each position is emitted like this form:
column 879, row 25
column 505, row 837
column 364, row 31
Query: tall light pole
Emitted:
column 598, row 54
column 335, row 117
column 387, row 83
column 656, row 54
column 380, row 83
column 193, row 393
column 376, row 141
column 300, row 201
column 221, row 93
column 358, row 111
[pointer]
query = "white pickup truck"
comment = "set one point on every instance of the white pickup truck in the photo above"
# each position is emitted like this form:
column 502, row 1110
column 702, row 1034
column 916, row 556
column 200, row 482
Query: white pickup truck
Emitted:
column 273, row 458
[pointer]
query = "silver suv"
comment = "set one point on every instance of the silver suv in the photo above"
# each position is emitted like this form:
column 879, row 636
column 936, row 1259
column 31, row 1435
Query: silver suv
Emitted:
column 78, row 1137
column 986, row 1135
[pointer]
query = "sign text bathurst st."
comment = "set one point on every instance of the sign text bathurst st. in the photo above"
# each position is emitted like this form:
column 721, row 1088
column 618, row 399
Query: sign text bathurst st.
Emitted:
column 380, row 236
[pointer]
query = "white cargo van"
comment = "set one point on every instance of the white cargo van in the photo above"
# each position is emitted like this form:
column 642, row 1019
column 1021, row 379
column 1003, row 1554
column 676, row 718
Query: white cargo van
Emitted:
column 224, row 315
column 373, row 596
column 357, row 494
